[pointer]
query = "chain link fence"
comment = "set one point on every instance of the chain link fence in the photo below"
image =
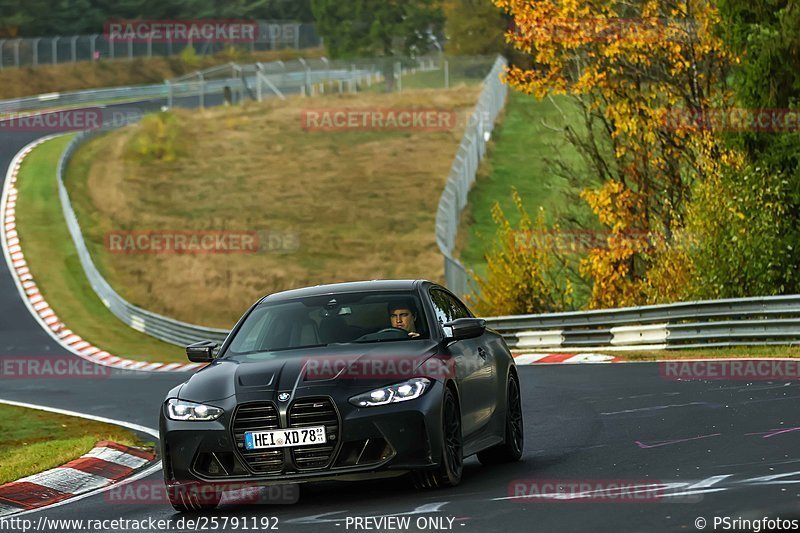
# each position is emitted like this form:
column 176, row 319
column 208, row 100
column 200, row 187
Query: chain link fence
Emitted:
column 32, row 52
column 463, row 173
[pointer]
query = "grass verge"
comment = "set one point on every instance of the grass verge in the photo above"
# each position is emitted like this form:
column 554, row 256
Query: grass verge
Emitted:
column 357, row 204
column 54, row 264
column 709, row 353
column 33, row 441
column 524, row 148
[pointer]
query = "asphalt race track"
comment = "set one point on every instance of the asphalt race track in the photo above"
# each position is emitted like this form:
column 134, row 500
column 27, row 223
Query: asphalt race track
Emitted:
column 717, row 448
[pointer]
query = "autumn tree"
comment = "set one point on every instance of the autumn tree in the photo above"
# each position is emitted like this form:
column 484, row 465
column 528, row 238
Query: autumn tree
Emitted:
column 523, row 270
column 638, row 71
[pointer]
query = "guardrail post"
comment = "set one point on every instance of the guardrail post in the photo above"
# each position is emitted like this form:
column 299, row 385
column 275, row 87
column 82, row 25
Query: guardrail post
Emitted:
column 446, row 73
column 2, row 43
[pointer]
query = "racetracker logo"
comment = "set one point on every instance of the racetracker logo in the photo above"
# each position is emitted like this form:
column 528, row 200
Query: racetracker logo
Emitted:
column 182, row 31
column 733, row 120
column 373, row 119
column 747, row 370
column 51, row 367
column 586, row 491
column 154, row 491
column 85, row 119
column 200, row 242
column 370, row 368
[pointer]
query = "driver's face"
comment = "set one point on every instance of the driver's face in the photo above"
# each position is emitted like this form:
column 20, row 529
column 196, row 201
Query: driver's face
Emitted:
column 403, row 319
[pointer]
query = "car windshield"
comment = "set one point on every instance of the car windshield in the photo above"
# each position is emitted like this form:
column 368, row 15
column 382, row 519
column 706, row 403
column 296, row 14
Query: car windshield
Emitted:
column 363, row 317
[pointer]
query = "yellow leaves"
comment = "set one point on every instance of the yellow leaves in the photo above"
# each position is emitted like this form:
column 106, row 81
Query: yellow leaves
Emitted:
column 520, row 270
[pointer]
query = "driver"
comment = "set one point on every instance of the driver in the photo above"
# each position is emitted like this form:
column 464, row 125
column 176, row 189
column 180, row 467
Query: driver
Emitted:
column 403, row 315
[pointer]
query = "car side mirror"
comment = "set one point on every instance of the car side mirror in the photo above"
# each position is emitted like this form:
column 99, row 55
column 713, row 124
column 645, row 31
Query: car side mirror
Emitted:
column 201, row 352
column 466, row 328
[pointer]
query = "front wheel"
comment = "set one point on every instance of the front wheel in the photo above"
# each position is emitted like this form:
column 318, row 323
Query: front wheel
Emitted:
column 510, row 450
column 449, row 472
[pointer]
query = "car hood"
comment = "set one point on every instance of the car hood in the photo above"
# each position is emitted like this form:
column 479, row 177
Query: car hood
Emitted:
column 359, row 367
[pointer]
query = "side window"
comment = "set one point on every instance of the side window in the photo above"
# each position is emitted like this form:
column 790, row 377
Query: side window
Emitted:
column 446, row 307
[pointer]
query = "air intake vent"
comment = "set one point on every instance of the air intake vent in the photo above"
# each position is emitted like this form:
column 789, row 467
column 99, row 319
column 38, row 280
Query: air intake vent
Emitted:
column 315, row 412
column 261, row 416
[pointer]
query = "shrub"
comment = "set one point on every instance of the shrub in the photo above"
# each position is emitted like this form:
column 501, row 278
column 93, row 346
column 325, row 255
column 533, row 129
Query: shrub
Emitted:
column 522, row 276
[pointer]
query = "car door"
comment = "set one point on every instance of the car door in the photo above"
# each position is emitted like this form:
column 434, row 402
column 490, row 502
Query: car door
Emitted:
column 468, row 363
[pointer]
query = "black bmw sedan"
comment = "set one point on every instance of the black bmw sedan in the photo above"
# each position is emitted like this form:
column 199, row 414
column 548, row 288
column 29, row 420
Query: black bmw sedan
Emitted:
column 342, row 382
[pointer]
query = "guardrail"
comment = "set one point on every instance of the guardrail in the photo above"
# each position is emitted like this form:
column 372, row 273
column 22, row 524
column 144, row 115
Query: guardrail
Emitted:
column 463, row 172
column 167, row 329
column 701, row 324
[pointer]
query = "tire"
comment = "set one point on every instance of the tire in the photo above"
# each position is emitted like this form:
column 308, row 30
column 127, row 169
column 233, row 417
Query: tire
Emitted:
column 510, row 451
column 187, row 499
column 448, row 473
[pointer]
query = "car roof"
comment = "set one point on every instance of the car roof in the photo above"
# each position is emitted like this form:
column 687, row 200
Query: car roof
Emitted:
column 352, row 286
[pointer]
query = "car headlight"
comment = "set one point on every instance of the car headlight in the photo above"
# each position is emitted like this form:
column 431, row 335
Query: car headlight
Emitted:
column 183, row 410
column 407, row 390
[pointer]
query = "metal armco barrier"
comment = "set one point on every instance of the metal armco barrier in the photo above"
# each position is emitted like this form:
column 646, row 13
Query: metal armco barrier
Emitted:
column 703, row 324
column 166, row 329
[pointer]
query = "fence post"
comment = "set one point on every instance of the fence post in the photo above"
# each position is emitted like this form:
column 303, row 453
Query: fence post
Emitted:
column 398, row 69
column 2, row 43
column 54, row 45
column 92, row 45
column 149, row 45
column 446, row 73
column 111, row 52
column 35, row 58
column 16, row 52
column 169, row 94
column 73, row 48
column 130, row 48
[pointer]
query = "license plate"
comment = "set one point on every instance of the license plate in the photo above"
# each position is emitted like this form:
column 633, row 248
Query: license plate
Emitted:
column 283, row 438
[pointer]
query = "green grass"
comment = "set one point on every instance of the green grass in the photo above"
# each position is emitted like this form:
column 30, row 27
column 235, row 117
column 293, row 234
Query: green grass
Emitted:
column 521, row 155
column 710, row 353
column 57, row 271
column 32, row 441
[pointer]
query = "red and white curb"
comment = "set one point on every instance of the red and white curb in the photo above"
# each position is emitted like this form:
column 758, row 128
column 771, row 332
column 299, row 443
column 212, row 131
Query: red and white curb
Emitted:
column 563, row 358
column 107, row 463
column 33, row 299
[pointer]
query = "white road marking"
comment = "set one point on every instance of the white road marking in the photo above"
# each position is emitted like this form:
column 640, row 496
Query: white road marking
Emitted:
column 116, row 456
column 67, row 480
